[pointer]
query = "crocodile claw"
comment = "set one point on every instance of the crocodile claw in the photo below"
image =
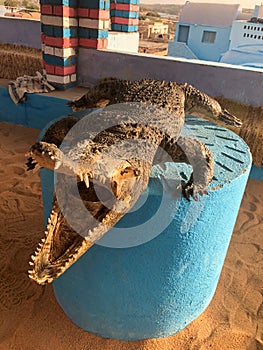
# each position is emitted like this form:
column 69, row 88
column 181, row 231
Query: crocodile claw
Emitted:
column 230, row 119
column 192, row 190
column 31, row 163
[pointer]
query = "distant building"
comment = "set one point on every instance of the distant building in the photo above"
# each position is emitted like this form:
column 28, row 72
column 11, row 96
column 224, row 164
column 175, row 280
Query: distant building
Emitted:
column 248, row 32
column 157, row 29
column 246, row 41
column 203, row 31
column 2, row 10
column 153, row 29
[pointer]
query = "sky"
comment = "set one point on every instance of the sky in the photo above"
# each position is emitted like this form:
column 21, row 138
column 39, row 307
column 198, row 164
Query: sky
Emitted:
column 243, row 3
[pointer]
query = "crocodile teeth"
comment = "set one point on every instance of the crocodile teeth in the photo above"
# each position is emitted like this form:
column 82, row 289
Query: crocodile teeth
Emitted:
column 43, row 240
column 81, row 177
column 31, row 263
column 33, row 257
column 57, row 164
column 30, row 276
column 101, row 178
column 86, row 179
column 52, row 157
column 30, row 272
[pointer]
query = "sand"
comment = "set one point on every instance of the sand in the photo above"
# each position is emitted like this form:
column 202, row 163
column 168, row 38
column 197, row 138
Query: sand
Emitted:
column 31, row 319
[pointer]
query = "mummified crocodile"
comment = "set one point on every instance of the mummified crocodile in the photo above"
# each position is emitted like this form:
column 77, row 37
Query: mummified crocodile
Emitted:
column 145, row 116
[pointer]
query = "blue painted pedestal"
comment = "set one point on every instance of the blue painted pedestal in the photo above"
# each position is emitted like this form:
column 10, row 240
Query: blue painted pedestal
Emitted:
column 156, row 288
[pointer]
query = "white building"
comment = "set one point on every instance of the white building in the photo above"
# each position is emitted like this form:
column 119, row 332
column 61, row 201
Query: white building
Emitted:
column 246, row 41
column 247, row 32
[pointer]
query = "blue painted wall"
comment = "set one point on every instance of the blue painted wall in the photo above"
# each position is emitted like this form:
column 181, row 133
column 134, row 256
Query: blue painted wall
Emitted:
column 35, row 112
column 206, row 51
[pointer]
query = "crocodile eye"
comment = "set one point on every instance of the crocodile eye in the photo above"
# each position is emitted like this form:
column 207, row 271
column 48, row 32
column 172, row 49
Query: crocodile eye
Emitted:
column 136, row 172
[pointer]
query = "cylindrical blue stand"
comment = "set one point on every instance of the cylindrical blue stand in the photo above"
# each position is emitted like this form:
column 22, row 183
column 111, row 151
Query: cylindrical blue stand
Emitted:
column 157, row 288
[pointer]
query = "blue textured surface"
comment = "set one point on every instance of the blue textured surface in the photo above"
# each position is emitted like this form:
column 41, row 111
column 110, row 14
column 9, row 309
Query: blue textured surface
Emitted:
column 157, row 288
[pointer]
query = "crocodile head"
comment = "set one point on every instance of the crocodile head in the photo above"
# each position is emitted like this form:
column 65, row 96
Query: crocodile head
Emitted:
column 82, row 213
column 204, row 106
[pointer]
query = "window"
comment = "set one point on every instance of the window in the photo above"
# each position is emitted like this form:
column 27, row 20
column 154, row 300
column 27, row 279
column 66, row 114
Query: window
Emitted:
column 208, row 37
column 183, row 34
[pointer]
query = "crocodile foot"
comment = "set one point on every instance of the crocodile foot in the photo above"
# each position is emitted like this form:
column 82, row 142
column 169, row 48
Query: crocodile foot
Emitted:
column 192, row 190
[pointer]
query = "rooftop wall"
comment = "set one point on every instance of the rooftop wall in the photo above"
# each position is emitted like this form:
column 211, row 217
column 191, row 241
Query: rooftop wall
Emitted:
column 19, row 31
column 243, row 85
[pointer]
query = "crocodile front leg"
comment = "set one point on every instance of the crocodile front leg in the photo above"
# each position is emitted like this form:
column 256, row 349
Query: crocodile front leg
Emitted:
column 202, row 105
column 48, row 155
column 195, row 153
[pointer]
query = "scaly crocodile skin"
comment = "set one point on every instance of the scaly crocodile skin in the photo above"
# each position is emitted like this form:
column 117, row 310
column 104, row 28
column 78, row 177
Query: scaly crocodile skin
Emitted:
column 150, row 113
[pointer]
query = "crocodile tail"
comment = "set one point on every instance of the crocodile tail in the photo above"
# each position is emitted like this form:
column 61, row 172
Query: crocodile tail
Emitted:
column 79, row 103
column 83, row 104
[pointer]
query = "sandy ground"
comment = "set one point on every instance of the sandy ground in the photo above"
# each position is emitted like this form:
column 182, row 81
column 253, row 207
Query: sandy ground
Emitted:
column 31, row 319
